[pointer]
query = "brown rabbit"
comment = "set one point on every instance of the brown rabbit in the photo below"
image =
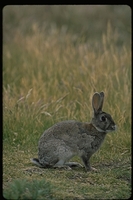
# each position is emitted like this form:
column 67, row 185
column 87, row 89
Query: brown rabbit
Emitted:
column 66, row 139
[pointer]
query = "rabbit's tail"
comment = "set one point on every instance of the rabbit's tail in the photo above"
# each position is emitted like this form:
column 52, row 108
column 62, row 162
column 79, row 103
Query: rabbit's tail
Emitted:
column 36, row 162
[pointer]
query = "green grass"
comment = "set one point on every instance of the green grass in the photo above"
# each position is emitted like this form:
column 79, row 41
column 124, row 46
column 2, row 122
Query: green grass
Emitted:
column 23, row 189
column 54, row 59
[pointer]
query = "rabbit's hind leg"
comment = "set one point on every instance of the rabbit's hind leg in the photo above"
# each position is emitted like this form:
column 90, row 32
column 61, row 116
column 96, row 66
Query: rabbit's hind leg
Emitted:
column 61, row 164
column 73, row 164
column 36, row 162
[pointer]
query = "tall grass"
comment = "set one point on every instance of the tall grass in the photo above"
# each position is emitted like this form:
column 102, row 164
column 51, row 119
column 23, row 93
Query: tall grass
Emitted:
column 51, row 73
column 38, row 74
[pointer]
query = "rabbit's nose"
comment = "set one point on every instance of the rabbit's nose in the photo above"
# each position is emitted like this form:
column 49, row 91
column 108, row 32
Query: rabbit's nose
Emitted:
column 114, row 127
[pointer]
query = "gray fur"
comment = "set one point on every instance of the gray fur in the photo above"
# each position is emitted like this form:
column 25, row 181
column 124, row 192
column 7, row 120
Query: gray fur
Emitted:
column 66, row 139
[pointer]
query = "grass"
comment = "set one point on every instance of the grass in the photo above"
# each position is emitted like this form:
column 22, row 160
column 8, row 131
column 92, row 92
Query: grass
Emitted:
column 52, row 65
column 23, row 189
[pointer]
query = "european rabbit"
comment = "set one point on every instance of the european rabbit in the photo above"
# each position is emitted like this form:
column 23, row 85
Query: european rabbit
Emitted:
column 62, row 141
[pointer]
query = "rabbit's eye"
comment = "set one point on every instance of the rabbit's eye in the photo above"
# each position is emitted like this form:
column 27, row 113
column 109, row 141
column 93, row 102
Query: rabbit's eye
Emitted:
column 103, row 119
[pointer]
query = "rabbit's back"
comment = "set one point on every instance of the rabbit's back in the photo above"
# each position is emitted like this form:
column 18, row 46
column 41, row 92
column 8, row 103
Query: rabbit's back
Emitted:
column 76, row 135
column 63, row 131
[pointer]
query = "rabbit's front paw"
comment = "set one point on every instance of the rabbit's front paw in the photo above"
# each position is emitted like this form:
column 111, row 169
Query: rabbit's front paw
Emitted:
column 89, row 169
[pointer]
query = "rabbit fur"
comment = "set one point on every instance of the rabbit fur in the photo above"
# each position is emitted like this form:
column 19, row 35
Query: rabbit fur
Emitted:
column 67, row 139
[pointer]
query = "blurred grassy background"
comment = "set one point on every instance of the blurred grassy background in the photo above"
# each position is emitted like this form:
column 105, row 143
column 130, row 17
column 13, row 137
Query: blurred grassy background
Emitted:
column 54, row 59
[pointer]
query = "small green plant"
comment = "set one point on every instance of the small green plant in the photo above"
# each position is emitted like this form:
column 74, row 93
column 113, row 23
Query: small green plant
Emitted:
column 23, row 189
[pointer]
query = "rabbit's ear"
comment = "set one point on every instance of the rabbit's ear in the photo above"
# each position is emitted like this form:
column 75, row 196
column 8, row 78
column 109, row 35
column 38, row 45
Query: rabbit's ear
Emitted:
column 102, row 100
column 97, row 101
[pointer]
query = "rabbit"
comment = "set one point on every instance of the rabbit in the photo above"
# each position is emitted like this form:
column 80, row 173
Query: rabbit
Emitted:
column 67, row 139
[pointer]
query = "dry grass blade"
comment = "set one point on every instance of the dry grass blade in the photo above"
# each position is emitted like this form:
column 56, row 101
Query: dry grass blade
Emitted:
column 62, row 98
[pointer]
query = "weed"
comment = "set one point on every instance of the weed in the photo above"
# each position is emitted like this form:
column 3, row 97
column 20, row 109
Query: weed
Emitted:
column 23, row 189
